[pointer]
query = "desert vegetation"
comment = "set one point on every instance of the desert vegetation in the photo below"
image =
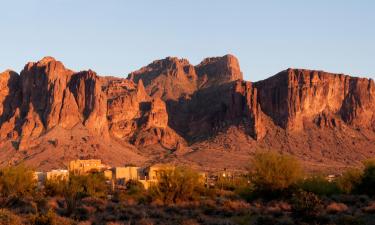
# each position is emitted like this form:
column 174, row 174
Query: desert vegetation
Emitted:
column 274, row 191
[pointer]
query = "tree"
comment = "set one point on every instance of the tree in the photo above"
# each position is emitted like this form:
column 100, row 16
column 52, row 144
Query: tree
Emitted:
column 368, row 179
column 72, row 192
column 176, row 185
column 272, row 171
column 55, row 186
column 350, row 180
column 81, row 186
column 17, row 181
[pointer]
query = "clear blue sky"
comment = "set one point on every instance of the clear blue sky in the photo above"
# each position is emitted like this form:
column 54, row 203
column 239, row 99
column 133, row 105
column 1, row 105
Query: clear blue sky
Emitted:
column 116, row 37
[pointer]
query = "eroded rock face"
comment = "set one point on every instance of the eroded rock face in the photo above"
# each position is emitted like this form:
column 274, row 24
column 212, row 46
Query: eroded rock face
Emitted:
column 214, row 109
column 172, row 78
column 50, row 95
column 218, row 70
column 169, row 78
column 199, row 98
column 136, row 117
column 91, row 101
column 173, row 105
column 10, row 100
column 293, row 96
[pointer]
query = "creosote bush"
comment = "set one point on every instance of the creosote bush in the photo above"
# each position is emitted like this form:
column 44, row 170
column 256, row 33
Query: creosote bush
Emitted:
column 176, row 185
column 274, row 172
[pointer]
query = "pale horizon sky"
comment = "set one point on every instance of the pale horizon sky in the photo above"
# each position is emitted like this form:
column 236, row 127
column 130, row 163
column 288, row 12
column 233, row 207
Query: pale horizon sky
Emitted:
column 116, row 37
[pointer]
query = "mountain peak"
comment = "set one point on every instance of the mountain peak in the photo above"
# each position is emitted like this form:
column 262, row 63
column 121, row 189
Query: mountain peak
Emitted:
column 47, row 59
column 218, row 70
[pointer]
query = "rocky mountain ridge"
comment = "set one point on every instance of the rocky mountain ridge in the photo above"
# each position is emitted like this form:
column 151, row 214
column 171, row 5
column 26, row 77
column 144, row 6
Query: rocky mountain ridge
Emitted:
column 206, row 115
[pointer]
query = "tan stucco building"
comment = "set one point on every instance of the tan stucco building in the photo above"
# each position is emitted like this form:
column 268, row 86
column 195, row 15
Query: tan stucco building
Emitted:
column 57, row 174
column 85, row 166
column 123, row 174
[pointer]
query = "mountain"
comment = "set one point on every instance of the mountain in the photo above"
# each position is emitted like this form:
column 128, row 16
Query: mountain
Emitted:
column 201, row 115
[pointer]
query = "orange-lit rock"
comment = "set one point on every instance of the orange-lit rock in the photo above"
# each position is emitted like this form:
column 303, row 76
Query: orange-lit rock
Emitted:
column 170, row 110
column 293, row 96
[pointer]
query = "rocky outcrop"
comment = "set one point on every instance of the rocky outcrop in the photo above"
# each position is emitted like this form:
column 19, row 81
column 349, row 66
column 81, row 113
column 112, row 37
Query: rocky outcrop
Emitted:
column 214, row 109
column 172, row 78
column 295, row 95
column 10, row 100
column 50, row 95
column 136, row 117
column 169, row 78
column 359, row 103
column 218, row 70
column 91, row 101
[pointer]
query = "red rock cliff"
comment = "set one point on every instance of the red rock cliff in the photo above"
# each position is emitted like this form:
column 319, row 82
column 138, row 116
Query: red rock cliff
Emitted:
column 295, row 95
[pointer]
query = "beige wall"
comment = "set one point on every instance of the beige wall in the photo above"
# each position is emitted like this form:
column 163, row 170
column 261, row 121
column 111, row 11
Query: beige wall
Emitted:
column 85, row 166
column 127, row 173
column 108, row 174
column 57, row 174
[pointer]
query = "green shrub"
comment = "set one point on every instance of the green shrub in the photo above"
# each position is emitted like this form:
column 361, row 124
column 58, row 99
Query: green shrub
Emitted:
column 305, row 205
column 55, row 187
column 73, row 193
column 93, row 185
column 349, row 180
column 80, row 186
column 134, row 187
column 367, row 183
column 232, row 183
column 319, row 185
column 17, row 182
column 175, row 185
column 274, row 172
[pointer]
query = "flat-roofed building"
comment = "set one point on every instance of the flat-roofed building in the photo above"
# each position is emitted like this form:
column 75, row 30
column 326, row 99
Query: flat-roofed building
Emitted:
column 57, row 174
column 86, row 166
column 123, row 174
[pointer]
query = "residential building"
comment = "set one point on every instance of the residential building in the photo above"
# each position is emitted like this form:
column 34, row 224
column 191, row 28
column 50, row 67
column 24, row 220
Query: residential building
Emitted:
column 108, row 174
column 57, row 174
column 86, row 166
column 123, row 174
